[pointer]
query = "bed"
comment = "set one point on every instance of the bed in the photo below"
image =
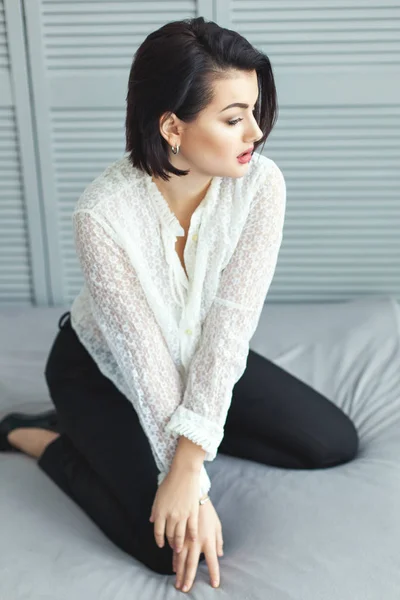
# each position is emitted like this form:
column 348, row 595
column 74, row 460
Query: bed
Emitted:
column 330, row 534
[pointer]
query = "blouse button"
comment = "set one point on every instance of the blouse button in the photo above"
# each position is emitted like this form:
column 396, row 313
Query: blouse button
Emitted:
column 194, row 237
column 188, row 331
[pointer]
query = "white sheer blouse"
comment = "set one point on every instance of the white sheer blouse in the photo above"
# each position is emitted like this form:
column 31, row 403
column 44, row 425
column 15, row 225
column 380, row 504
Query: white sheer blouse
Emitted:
column 176, row 344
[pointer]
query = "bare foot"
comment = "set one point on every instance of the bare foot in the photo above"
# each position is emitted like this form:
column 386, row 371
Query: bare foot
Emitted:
column 31, row 440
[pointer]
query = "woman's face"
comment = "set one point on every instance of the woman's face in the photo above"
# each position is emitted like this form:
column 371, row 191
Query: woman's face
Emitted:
column 210, row 145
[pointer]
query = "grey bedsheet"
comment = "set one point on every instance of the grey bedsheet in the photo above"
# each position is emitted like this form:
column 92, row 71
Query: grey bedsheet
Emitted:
column 330, row 534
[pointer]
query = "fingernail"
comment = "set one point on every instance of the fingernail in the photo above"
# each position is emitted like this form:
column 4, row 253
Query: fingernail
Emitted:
column 215, row 583
column 185, row 588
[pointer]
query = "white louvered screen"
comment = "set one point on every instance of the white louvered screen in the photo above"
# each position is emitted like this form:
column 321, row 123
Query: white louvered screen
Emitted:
column 22, row 268
column 337, row 141
column 321, row 32
column 15, row 275
column 15, row 280
column 81, row 55
column 85, row 141
column 343, row 219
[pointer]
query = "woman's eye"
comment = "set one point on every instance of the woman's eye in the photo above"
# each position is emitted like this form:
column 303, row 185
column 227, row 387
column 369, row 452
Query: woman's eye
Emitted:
column 237, row 120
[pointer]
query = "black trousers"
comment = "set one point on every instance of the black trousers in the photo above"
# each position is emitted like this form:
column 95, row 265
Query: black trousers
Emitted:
column 103, row 461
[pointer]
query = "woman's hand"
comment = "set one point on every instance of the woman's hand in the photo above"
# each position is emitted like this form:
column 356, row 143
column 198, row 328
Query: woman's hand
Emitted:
column 209, row 541
column 176, row 506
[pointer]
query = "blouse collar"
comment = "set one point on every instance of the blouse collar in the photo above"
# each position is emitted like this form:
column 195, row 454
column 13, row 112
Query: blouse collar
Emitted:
column 167, row 216
column 171, row 228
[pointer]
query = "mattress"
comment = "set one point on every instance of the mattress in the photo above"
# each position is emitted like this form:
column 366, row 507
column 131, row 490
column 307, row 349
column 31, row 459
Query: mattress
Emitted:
column 326, row 534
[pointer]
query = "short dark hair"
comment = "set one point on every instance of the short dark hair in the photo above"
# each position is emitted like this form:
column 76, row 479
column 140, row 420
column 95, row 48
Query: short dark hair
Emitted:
column 173, row 71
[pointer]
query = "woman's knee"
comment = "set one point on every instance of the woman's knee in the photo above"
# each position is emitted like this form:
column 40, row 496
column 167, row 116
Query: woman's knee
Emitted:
column 144, row 547
column 344, row 444
column 157, row 559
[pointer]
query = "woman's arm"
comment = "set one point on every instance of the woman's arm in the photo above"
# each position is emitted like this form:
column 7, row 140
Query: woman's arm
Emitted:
column 220, row 359
column 122, row 312
column 188, row 455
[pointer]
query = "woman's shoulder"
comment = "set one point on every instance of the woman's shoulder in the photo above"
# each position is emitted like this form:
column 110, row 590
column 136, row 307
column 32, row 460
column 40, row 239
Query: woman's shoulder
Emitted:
column 265, row 168
column 262, row 171
column 110, row 185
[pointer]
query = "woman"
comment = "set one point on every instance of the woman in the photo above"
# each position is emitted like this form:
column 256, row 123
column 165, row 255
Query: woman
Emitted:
column 151, row 373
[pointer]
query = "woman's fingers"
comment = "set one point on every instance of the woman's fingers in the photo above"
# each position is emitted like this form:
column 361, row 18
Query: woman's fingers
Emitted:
column 159, row 531
column 192, row 562
column 180, row 533
column 170, row 531
column 212, row 563
column 180, row 563
column 174, row 531
column 220, row 543
column 192, row 525
column 174, row 555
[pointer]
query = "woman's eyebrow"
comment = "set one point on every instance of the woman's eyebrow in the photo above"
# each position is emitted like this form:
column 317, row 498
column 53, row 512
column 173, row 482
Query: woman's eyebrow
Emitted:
column 239, row 104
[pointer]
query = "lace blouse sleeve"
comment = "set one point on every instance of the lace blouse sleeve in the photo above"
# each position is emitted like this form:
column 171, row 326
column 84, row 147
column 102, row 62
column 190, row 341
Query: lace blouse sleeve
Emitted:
column 221, row 356
column 123, row 314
